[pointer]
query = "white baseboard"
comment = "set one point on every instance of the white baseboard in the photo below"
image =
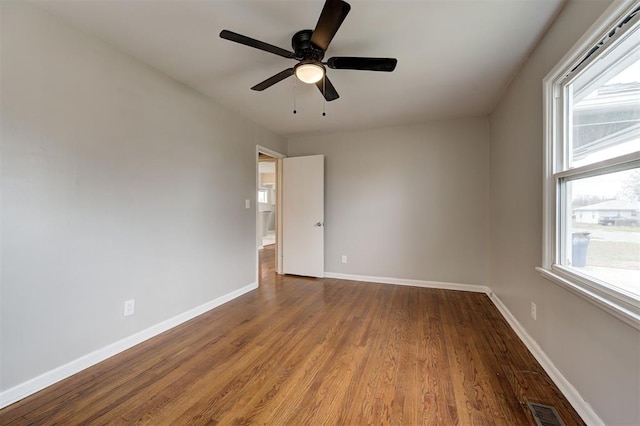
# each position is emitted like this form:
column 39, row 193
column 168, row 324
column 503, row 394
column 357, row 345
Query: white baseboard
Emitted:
column 36, row 384
column 412, row 283
column 571, row 393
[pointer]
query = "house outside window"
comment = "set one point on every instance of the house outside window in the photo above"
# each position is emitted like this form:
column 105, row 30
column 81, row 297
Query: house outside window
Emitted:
column 592, row 166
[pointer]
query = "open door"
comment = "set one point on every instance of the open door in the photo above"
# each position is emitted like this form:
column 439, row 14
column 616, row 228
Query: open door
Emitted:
column 303, row 216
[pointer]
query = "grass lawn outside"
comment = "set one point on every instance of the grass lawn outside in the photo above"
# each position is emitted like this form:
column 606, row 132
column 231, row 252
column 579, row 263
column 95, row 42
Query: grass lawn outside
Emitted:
column 613, row 254
column 595, row 226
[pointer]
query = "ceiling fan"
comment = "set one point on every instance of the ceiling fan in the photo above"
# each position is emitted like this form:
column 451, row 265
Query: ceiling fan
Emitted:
column 309, row 48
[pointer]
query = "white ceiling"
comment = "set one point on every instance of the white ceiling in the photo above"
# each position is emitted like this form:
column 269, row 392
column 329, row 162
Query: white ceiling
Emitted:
column 455, row 57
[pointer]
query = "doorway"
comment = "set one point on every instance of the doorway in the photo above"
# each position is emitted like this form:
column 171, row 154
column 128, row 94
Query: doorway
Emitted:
column 302, row 236
column 268, row 207
column 266, row 201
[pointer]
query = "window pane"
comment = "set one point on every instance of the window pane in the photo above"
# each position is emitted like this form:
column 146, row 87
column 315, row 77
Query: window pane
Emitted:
column 604, row 105
column 262, row 196
column 602, row 237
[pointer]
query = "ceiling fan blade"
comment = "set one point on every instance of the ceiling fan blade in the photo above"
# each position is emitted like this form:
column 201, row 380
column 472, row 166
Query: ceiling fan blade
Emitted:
column 365, row 64
column 273, row 80
column 328, row 91
column 332, row 16
column 251, row 42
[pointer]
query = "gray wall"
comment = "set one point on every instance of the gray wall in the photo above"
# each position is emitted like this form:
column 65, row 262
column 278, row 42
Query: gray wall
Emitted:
column 597, row 353
column 406, row 202
column 117, row 183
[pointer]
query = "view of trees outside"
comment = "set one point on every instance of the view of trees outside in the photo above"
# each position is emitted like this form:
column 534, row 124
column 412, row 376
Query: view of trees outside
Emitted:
column 631, row 187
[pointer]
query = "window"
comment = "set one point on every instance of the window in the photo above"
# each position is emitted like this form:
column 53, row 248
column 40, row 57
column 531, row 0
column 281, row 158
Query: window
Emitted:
column 592, row 170
column 262, row 196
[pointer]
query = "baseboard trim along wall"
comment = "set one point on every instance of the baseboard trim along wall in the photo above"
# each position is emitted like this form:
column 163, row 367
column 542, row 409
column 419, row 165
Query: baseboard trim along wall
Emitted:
column 47, row 379
column 570, row 392
column 408, row 282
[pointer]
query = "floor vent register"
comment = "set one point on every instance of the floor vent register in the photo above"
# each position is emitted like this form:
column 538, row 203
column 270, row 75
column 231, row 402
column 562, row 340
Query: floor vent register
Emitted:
column 545, row 415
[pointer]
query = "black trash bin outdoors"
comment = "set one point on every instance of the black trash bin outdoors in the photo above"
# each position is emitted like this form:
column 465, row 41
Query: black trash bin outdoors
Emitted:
column 579, row 245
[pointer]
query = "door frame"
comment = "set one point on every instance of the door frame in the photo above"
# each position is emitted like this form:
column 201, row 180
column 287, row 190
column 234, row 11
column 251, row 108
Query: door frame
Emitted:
column 278, row 156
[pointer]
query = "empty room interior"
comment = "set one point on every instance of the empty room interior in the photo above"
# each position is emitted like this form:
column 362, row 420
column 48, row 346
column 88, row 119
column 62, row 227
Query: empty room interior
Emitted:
column 320, row 212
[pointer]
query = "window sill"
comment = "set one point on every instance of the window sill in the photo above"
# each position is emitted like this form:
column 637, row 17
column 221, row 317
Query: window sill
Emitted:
column 627, row 312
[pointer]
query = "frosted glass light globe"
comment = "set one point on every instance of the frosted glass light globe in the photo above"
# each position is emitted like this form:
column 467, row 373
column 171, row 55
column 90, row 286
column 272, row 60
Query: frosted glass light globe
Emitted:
column 309, row 72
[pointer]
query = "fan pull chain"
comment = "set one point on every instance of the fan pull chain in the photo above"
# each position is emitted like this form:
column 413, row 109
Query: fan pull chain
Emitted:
column 294, row 96
column 324, row 94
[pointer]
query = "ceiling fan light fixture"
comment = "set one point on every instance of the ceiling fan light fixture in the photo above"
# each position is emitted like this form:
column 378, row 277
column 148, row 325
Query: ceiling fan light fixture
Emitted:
column 309, row 72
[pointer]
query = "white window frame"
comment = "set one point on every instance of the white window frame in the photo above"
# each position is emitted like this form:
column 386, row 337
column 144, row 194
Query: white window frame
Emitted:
column 623, row 306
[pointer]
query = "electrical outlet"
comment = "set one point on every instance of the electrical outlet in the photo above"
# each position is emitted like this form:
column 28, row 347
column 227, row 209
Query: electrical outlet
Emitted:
column 344, row 259
column 247, row 203
column 534, row 311
column 129, row 307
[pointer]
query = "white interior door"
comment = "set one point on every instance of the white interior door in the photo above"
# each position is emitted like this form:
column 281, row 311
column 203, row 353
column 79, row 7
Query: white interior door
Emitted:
column 303, row 216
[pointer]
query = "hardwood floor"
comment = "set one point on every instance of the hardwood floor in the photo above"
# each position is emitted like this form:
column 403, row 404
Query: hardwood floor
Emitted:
column 305, row 351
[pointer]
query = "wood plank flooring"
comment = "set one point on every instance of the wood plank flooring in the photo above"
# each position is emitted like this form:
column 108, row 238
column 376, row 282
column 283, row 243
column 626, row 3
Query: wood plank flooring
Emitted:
column 304, row 351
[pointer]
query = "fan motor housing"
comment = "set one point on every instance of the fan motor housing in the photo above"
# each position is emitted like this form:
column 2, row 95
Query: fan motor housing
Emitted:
column 303, row 48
